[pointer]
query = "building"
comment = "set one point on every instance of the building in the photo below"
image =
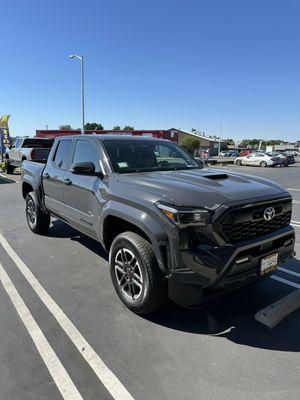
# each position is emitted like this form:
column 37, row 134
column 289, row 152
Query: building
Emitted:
column 208, row 144
column 160, row 134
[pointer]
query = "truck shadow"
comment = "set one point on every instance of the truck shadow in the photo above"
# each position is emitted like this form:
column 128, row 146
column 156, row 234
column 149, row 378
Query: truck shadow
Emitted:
column 232, row 317
column 59, row 229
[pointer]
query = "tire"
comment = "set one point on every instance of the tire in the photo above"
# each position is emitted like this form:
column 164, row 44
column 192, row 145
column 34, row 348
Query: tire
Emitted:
column 263, row 164
column 37, row 220
column 8, row 167
column 139, row 283
column 238, row 162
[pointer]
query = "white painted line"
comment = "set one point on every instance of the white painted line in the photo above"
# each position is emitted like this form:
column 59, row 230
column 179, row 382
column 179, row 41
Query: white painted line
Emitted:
column 8, row 179
column 293, row 189
column 105, row 375
column 296, row 202
column 295, row 226
column 282, row 280
column 60, row 376
column 295, row 223
column 288, row 271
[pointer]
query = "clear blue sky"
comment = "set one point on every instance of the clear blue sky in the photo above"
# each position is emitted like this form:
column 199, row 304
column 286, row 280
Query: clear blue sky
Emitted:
column 153, row 64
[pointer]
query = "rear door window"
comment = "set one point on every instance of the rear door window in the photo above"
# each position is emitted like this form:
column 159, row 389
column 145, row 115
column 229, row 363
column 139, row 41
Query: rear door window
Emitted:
column 62, row 152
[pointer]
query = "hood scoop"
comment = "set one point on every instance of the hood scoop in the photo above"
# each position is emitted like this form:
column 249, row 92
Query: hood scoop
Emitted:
column 216, row 177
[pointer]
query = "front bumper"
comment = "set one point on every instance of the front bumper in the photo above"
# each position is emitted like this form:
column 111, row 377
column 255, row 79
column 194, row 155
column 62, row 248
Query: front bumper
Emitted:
column 209, row 271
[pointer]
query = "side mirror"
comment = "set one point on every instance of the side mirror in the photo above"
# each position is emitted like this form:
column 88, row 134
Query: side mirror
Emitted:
column 85, row 168
column 199, row 162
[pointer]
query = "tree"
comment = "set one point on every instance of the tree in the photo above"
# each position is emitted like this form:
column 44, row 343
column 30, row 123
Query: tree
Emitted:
column 229, row 142
column 255, row 142
column 190, row 144
column 128, row 128
column 65, row 127
column 93, row 126
column 116, row 128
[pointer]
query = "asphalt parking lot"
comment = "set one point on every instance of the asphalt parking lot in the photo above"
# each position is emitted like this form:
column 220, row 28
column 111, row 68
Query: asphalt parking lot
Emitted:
column 216, row 352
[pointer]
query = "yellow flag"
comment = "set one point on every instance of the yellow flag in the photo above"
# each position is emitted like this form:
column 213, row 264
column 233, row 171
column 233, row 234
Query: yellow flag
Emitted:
column 4, row 121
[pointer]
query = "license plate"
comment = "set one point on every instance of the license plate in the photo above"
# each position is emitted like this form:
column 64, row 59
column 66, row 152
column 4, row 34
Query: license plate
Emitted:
column 268, row 263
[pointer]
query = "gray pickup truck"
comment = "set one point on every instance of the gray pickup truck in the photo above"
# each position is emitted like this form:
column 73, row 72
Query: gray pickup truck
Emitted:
column 172, row 228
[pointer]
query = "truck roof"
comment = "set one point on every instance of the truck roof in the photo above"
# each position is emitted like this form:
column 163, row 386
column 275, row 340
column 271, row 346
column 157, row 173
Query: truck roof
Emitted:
column 111, row 137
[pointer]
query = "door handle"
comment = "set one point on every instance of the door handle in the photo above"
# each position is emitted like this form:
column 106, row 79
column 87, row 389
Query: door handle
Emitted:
column 46, row 176
column 67, row 181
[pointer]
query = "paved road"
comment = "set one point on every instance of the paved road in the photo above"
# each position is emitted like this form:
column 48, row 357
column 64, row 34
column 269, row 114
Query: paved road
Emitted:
column 216, row 352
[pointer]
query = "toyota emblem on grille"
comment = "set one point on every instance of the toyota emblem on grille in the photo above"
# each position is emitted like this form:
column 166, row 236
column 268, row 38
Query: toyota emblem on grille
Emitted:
column 269, row 213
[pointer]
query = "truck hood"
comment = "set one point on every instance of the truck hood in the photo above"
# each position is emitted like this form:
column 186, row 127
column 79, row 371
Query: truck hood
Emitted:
column 198, row 187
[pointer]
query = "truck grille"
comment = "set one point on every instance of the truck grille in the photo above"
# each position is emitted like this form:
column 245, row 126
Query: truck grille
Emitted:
column 247, row 223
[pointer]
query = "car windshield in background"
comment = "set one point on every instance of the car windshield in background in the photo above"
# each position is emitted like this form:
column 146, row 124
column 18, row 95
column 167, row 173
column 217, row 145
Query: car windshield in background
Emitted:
column 147, row 155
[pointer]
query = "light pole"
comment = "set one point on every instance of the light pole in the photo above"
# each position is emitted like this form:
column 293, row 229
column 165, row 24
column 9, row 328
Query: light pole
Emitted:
column 221, row 126
column 82, row 88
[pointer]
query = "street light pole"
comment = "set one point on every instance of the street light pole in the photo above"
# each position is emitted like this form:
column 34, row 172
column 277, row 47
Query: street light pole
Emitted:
column 220, row 134
column 82, row 89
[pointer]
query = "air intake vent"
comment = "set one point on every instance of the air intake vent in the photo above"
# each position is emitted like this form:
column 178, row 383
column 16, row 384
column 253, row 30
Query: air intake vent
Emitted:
column 216, row 177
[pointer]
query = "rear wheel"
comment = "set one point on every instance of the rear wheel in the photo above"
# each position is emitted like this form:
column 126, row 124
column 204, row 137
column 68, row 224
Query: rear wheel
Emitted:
column 263, row 164
column 8, row 167
column 135, row 274
column 38, row 221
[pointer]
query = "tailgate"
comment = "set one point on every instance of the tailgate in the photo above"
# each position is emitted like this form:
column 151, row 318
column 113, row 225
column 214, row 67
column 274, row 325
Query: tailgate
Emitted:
column 39, row 154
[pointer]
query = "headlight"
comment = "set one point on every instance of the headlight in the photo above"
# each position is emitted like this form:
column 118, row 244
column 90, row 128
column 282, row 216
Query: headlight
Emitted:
column 185, row 216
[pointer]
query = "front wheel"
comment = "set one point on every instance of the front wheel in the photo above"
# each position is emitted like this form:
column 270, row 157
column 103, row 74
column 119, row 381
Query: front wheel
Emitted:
column 38, row 221
column 135, row 274
column 238, row 162
column 8, row 167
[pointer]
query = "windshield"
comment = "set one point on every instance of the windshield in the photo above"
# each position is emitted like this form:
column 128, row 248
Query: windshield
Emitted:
column 147, row 155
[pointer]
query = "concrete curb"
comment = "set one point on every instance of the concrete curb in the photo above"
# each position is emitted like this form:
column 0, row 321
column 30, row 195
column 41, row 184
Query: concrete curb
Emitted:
column 278, row 311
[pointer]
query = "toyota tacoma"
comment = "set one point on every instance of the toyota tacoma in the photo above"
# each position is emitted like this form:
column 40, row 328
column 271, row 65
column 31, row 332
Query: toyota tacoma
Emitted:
column 172, row 228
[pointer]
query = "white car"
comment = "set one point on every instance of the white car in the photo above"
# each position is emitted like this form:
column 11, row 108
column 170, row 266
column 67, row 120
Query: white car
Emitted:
column 259, row 160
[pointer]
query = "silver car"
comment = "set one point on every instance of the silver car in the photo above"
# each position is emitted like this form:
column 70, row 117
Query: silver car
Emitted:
column 258, row 160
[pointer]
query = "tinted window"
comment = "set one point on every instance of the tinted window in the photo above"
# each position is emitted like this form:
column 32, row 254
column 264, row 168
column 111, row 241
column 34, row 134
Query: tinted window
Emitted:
column 62, row 153
column 147, row 155
column 86, row 151
column 46, row 143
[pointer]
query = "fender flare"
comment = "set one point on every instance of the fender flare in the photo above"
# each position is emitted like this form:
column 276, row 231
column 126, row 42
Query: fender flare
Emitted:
column 152, row 228
column 29, row 180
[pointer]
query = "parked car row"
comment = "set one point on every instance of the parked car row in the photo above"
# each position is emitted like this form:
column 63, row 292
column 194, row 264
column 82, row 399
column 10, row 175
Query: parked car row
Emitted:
column 260, row 159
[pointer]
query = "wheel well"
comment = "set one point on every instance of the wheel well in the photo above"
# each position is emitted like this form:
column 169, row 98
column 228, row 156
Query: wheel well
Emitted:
column 113, row 226
column 24, row 158
column 26, row 188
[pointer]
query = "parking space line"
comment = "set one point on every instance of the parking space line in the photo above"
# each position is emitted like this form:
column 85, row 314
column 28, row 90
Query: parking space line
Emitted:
column 287, row 282
column 60, row 376
column 295, row 223
column 8, row 179
column 294, row 189
column 296, row 202
column 105, row 375
column 288, row 271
